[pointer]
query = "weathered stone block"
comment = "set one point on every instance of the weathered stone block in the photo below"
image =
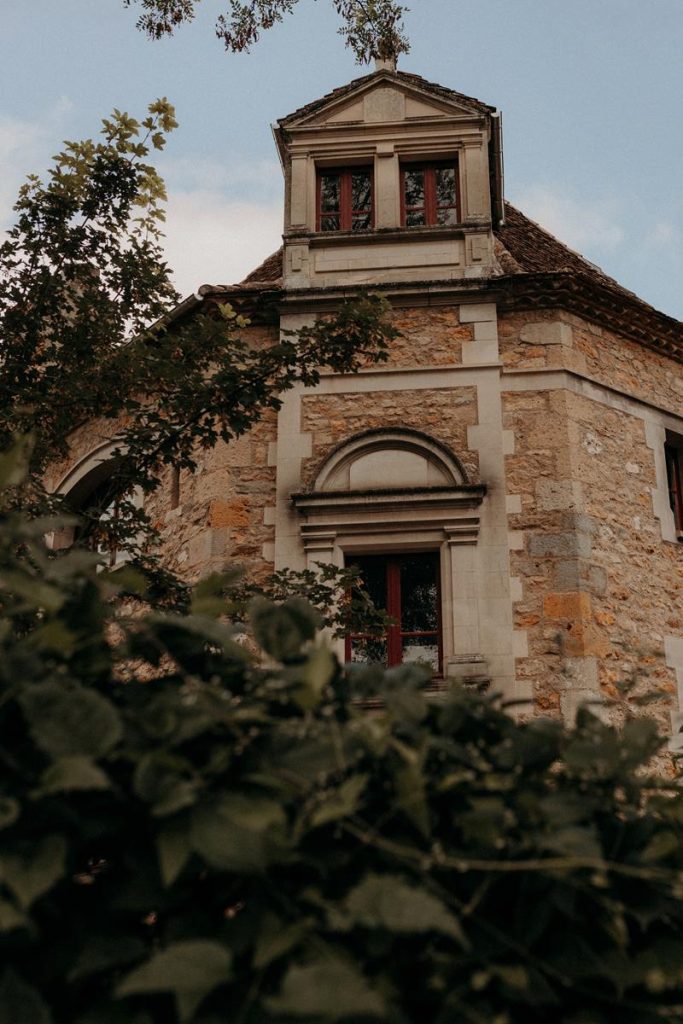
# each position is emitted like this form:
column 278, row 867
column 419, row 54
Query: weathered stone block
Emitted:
column 575, row 605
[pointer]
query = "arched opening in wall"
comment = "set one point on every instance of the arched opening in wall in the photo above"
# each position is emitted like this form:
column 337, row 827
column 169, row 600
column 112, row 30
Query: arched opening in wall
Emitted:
column 399, row 505
column 94, row 491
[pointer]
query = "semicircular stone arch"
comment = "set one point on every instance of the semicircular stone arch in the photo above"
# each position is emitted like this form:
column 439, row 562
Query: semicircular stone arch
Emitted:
column 389, row 458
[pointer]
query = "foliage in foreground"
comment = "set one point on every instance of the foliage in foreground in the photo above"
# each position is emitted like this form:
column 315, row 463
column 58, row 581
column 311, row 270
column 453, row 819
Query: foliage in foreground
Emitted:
column 190, row 835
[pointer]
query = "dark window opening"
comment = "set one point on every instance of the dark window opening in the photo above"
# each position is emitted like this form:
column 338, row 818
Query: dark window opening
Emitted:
column 429, row 195
column 673, row 455
column 345, row 200
column 407, row 587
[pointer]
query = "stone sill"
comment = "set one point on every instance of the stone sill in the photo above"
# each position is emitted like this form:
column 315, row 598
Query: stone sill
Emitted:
column 380, row 236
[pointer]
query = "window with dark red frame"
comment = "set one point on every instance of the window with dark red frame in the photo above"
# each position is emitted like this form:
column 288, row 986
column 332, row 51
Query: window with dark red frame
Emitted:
column 345, row 199
column 429, row 195
column 674, row 476
column 407, row 586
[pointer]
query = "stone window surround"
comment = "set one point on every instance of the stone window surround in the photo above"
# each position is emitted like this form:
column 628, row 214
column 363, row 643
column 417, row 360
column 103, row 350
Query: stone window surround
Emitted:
column 335, row 524
column 386, row 158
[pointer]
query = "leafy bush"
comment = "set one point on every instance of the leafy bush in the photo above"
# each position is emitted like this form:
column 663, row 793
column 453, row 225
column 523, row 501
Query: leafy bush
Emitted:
column 191, row 835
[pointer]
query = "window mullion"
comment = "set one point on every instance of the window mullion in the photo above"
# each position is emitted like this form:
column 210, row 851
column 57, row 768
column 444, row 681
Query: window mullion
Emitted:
column 430, row 195
column 394, row 645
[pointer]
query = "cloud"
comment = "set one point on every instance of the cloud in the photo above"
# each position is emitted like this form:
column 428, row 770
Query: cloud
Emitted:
column 662, row 233
column 25, row 148
column 214, row 239
column 585, row 224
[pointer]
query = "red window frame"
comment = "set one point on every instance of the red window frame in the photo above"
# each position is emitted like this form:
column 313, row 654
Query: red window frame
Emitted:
column 431, row 207
column 346, row 211
column 395, row 634
column 672, row 455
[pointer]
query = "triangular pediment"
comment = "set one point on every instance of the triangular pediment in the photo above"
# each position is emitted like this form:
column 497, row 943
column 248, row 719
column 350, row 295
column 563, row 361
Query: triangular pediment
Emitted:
column 385, row 96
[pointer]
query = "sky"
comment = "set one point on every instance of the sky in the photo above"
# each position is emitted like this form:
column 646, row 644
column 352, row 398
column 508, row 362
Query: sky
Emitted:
column 590, row 92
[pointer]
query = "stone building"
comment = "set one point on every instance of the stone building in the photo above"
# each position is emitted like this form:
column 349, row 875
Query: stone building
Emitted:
column 510, row 481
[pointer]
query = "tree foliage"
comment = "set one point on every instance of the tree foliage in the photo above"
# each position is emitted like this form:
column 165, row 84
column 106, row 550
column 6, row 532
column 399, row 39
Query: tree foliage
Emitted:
column 84, row 298
column 190, row 834
column 372, row 28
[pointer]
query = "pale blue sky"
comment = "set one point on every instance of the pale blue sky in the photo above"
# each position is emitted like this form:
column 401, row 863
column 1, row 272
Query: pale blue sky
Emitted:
column 590, row 91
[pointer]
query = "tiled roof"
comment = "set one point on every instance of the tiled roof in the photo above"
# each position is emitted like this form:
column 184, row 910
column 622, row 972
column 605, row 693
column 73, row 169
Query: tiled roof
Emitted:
column 440, row 91
column 535, row 270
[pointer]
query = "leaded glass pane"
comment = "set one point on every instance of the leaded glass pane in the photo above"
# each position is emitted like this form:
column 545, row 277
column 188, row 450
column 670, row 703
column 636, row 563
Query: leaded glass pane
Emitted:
column 423, row 650
column 414, row 188
column 367, row 650
column 445, row 186
column 447, row 215
column 373, row 578
column 329, row 223
column 361, row 191
column 419, row 593
column 330, row 192
column 361, row 222
column 415, row 218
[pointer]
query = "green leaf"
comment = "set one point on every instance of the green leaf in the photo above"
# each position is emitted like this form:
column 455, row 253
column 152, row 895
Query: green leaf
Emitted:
column 14, row 462
column 72, row 773
column 315, row 674
column 20, row 1003
column 29, row 878
column 10, row 809
column 173, row 849
column 71, row 721
column 275, row 939
column 190, row 970
column 660, row 846
column 392, row 903
column 330, row 989
column 102, row 952
column 11, row 918
column 240, row 833
column 341, row 803
column 282, row 630
column 158, row 781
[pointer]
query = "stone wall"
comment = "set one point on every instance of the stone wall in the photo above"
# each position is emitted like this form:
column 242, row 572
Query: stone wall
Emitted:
column 444, row 414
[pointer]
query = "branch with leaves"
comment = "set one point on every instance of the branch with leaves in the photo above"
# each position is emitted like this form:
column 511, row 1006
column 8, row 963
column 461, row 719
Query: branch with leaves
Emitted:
column 371, row 28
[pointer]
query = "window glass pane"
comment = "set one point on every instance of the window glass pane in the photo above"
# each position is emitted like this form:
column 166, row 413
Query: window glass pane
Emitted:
column 419, row 593
column 330, row 192
column 361, row 222
column 328, row 223
column 414, row 188
column 415, row 218
column 421, row 649
column 361, row 190
column 369, row 650
column 445, row 186
column 447, row 215
column 373, row 577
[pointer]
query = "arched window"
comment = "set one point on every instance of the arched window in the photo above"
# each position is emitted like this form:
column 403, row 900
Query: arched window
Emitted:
column 91, row 490
column 398, row 504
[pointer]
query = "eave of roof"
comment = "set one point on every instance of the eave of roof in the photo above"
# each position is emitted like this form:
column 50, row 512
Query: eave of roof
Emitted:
column 535, row 271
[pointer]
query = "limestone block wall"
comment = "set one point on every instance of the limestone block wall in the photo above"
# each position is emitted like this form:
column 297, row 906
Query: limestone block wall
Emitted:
column 601, row 571
column 444, row 414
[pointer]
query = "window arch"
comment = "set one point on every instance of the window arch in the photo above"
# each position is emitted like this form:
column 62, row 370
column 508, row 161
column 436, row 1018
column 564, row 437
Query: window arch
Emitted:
column 89, row 483
column 390, row 458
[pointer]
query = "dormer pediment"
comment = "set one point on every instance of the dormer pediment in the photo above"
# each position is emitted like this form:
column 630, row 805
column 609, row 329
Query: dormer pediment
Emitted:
column 385, row 96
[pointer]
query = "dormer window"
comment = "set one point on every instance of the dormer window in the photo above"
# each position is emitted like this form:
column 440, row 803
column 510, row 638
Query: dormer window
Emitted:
column 345, row 199
column 429, row 194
